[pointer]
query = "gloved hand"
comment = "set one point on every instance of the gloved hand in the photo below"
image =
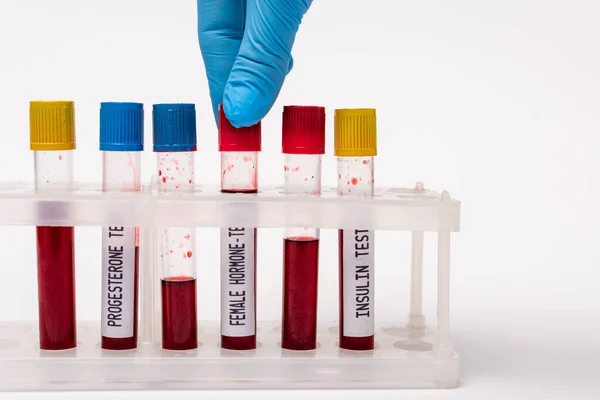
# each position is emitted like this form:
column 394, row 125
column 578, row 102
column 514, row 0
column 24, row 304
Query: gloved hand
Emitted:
column 246, row 46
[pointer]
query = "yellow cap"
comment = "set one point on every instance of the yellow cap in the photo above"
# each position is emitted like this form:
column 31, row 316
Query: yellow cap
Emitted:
column 52, row 125
column 355, row 132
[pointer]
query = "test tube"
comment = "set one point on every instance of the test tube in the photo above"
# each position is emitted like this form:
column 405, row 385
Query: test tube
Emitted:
column 122, row 143
column 52, row 138
column 239, row 174
column 355, row 145
column 174, row 134
column 303, row 144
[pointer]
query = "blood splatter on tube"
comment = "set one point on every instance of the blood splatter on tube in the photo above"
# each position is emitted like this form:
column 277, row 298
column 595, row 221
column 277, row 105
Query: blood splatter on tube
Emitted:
column 355, row 145
column 122, row 143
column 239, row 149
column 174, row 134
column 303, row 144
column 52, row 138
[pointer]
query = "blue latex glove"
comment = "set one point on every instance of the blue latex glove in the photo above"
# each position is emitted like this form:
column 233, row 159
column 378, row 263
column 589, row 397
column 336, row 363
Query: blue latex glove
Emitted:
column 246, row 46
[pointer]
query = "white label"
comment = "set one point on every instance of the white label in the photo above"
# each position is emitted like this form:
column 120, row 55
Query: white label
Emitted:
column 118, row 281
column 358, row 280
column 237, row 282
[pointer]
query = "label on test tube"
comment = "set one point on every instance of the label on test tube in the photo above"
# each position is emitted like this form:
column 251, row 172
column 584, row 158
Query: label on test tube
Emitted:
column 237, row 273
column 118, row 275
column 358, row 247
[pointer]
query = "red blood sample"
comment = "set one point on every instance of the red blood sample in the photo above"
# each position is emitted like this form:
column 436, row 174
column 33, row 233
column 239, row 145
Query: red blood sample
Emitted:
column 109, row 343
column 300, row 273
column 238, row 342
column 349, row 342
column 56, row 287
column 239, row 191
column 242, row 342
column 179, row 323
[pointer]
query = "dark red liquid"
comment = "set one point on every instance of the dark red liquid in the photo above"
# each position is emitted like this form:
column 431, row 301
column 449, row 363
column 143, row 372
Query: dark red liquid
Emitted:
column 179, row 322
column 238, row 342
column 243, row 342
column 109, row 343
column 56, row 287
column 300, row 276
column 349, row 342
column 239, row 190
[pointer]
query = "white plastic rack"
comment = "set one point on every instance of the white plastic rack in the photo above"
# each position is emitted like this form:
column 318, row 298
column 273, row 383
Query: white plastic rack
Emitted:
column 406, row 356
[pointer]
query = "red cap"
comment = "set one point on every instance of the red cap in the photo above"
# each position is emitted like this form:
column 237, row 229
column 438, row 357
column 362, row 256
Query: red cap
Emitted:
column 237, row 139
column 303, row 130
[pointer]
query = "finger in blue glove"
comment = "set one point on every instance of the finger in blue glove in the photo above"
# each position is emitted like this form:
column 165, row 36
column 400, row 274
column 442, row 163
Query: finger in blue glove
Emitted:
column 247, row 59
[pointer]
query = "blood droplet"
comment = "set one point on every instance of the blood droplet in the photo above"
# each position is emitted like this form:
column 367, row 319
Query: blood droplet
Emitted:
column 365, row 162
column 187, row 237
column 164, row 179
column 159, row 172
column 354, row 181
column 189, row 254
column 190, row 181
column 60, row 157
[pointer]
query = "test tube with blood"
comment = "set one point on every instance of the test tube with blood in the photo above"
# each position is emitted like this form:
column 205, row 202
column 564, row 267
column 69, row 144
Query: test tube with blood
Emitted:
column 121, row 143
column 303, row 143
column 174, row 134
column 355, row 146
column 52, row 138
column 239, row 149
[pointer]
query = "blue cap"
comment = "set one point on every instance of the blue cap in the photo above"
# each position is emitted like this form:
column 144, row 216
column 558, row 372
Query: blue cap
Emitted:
column 121, row 126
column 174, row 127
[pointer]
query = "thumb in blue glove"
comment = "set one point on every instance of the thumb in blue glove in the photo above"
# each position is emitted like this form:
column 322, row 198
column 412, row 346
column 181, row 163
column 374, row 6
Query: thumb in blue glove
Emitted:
column 246, row 46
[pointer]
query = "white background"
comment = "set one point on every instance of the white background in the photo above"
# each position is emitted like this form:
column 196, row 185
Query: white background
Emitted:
column 496, row 101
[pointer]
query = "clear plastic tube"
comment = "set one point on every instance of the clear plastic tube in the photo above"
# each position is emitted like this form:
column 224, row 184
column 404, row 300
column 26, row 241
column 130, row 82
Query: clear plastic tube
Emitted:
column 302, row 175
column 120, row 257
column 356, row 260
column 239, row 171
column 55, row 255
column 239, row 174
column 178, row 261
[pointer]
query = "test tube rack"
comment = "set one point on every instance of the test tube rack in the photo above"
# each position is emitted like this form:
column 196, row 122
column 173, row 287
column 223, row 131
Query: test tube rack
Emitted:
column 406, row 356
